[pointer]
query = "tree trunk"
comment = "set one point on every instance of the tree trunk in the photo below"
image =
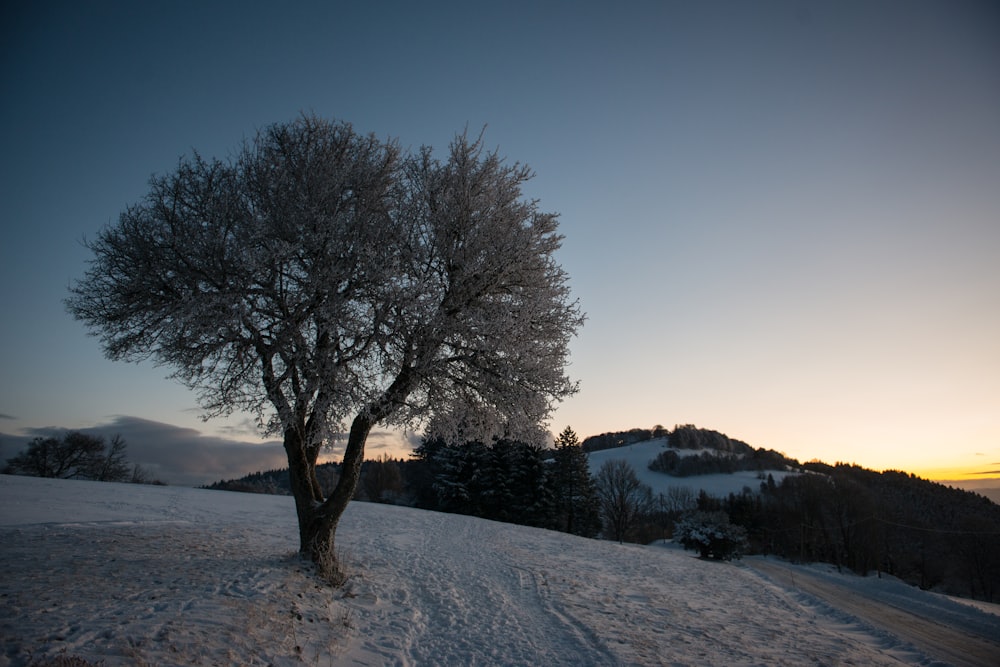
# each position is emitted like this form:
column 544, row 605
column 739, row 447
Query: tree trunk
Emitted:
column 301, row 474
column 318, row 522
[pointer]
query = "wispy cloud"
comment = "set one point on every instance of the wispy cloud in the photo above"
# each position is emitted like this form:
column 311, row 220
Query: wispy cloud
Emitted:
column 3, row 416
column 246, row 428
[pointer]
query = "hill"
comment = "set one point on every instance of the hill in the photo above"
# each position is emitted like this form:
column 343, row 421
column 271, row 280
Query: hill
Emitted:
column 928, row 534
column 126, row 574
column 720, row 485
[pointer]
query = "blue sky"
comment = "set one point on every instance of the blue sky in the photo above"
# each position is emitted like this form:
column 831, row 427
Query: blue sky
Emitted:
column 782, row 218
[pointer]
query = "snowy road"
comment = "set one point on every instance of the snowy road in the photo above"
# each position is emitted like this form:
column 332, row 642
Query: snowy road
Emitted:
column 935, row 629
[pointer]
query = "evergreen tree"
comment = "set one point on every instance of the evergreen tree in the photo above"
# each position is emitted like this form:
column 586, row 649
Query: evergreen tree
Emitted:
column 531, row 496
column 576, row 505
column 460, row 478
column 498, row 482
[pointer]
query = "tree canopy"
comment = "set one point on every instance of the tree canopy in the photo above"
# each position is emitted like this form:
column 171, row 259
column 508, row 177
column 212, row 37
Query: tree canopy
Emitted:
column 325, row 280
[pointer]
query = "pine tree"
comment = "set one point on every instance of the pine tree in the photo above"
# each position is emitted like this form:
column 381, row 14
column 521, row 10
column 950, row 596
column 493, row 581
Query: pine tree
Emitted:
column 460, row 478
column 532, row 496
column 577, row 509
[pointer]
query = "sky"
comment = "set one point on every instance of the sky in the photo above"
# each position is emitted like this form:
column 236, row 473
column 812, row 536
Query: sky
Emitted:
column 781, row 218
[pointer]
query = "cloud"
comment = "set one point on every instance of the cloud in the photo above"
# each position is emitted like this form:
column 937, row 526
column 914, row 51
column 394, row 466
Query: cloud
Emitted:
column 247, row 428
column 394, row 444
column 186, row 457
column 3, row 416
column 987, row 472
column 173, row 454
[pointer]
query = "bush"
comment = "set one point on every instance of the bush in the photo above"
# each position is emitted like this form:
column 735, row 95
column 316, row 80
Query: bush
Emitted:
column 711, row 534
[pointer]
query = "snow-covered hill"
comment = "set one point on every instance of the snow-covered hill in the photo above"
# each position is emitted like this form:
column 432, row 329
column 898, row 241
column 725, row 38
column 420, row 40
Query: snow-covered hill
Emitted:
column 141, row 575
column 640, row 454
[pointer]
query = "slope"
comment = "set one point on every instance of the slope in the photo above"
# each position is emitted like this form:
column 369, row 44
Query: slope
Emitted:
column 160, row 575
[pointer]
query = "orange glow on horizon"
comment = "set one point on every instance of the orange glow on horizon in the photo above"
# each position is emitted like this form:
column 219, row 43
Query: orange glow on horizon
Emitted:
column 959, row 474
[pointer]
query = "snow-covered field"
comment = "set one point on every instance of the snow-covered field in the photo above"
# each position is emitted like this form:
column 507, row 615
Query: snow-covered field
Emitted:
column 640, row 454
column 141, row 575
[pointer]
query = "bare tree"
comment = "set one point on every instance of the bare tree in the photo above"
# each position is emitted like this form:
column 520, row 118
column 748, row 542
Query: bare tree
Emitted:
column 624, row 499
column 111, row 465
column 74, row 456
column 677, row 500
column 324, row 280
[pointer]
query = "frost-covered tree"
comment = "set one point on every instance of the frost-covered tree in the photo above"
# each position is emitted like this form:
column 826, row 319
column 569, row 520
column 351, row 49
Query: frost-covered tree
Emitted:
column 711, row 534
column 624, row 499
column 577, row 507
column 324, row 280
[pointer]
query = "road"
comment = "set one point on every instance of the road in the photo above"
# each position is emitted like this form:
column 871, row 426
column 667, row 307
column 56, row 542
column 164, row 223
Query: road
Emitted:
column 940, row 635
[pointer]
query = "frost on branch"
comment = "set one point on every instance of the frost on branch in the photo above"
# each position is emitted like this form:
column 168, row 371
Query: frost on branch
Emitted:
column 327, row 281
column 711, row 534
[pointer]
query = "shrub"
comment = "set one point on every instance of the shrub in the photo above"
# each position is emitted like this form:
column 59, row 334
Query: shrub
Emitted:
column 711, row 534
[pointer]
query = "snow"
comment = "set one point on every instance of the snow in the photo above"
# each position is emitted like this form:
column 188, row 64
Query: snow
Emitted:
column 146, row 575
column 640, row 454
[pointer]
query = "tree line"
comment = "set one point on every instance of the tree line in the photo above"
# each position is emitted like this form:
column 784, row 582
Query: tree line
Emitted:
column 927, row 534
column 670, row 462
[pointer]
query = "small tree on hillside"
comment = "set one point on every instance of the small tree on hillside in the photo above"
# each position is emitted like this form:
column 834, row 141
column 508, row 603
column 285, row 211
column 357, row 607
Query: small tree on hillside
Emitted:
column 624, row 499
column 577, row 507
column 322, row 277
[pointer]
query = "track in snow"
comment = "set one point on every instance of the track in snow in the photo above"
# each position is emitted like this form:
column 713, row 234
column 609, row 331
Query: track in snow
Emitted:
column 468, row 600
